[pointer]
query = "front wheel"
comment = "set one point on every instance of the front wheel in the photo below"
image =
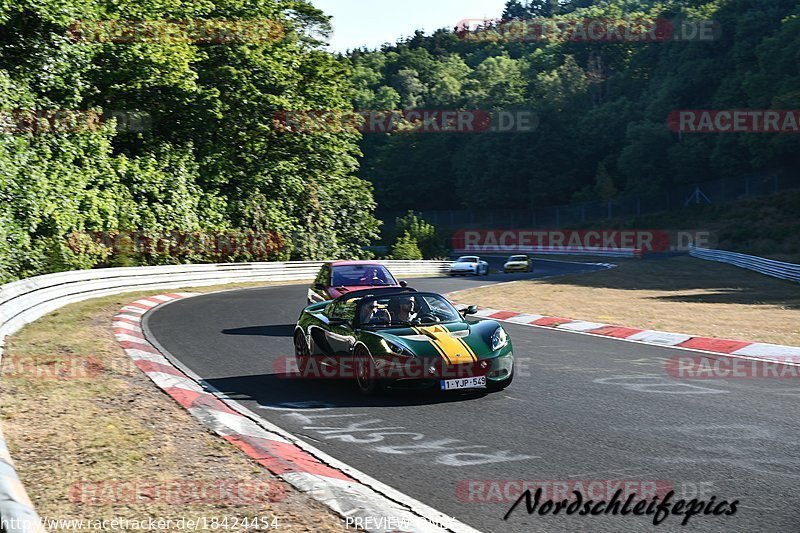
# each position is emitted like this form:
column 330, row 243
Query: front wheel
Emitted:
column 366, row 378
column 301, row 352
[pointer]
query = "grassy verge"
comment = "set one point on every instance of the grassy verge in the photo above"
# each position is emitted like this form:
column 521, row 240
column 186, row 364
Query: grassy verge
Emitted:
column 94, row 439
column 680, row 294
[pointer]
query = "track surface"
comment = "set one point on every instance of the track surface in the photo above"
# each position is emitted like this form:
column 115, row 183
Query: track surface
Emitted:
column 581, row 408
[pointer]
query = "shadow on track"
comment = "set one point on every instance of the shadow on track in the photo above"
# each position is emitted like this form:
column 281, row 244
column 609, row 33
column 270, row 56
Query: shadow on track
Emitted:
column 285, row 391
column 271, row 330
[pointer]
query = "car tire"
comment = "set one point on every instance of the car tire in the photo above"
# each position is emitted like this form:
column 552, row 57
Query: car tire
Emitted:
column 500, row 385
column 366, row 381
column 301, row 352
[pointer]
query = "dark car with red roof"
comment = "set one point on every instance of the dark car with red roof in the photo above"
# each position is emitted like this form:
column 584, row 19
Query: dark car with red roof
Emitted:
column 340, row 277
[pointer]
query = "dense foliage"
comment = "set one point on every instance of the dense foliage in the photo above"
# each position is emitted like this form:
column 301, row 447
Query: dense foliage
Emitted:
column 412, row 227
column 209, row 159
column 602, row 106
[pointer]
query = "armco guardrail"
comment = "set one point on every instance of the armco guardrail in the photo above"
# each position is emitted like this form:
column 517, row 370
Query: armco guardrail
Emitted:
column 22, row 302
column 553, row 250
column 769, row 267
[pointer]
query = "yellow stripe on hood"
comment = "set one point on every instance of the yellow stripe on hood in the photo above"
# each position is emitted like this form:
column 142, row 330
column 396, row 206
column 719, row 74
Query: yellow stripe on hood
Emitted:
column 455, row 351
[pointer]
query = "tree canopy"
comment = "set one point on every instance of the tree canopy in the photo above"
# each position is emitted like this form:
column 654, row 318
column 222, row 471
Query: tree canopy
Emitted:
column 602, row 106
column 207, row 159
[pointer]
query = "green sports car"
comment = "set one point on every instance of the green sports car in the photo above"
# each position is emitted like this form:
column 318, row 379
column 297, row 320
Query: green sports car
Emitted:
column 401, row 338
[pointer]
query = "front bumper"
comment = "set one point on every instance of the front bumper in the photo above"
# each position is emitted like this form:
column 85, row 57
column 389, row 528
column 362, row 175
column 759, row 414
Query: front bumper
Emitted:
column 516, row 267
column 497, row 369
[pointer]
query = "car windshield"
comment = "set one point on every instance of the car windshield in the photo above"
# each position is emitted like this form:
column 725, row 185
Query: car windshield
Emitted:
column 406, row 310
column 467, row 260
column 518, row 258
column 361, row 276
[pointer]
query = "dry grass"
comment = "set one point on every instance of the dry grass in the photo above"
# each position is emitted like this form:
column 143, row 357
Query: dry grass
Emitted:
column 679, row 294
column 110, row 424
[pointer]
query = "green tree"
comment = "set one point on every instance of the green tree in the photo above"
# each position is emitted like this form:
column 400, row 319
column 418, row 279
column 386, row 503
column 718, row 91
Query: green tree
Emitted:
column 406, row 248
column 431, row 245
column 603, row 183
column 214, row 158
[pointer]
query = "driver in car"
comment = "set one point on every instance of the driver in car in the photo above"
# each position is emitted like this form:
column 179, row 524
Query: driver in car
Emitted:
column 374, row 314
column 403, row 308
column 372, row 277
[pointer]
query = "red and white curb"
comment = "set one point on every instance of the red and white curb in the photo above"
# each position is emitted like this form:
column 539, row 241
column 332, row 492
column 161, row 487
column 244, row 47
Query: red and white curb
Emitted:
column 348, row 492
column 743, row 349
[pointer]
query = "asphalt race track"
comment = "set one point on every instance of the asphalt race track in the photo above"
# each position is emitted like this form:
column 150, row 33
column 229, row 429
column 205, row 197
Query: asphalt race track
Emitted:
column 581, row 409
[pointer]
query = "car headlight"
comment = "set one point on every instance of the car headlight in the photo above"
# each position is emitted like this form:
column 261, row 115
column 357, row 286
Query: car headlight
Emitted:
column 396, row 349
column 499, row 339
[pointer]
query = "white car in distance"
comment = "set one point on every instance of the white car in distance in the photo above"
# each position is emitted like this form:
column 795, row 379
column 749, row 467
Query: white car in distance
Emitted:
column 469, row 265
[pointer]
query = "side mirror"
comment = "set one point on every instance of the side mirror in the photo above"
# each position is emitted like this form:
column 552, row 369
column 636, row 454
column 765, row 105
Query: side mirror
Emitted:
column 471, row 310
column 403, row 283
column 319, row 286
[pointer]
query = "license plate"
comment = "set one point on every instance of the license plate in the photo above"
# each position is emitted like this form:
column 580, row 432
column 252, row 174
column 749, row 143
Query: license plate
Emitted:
column 465, row 383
